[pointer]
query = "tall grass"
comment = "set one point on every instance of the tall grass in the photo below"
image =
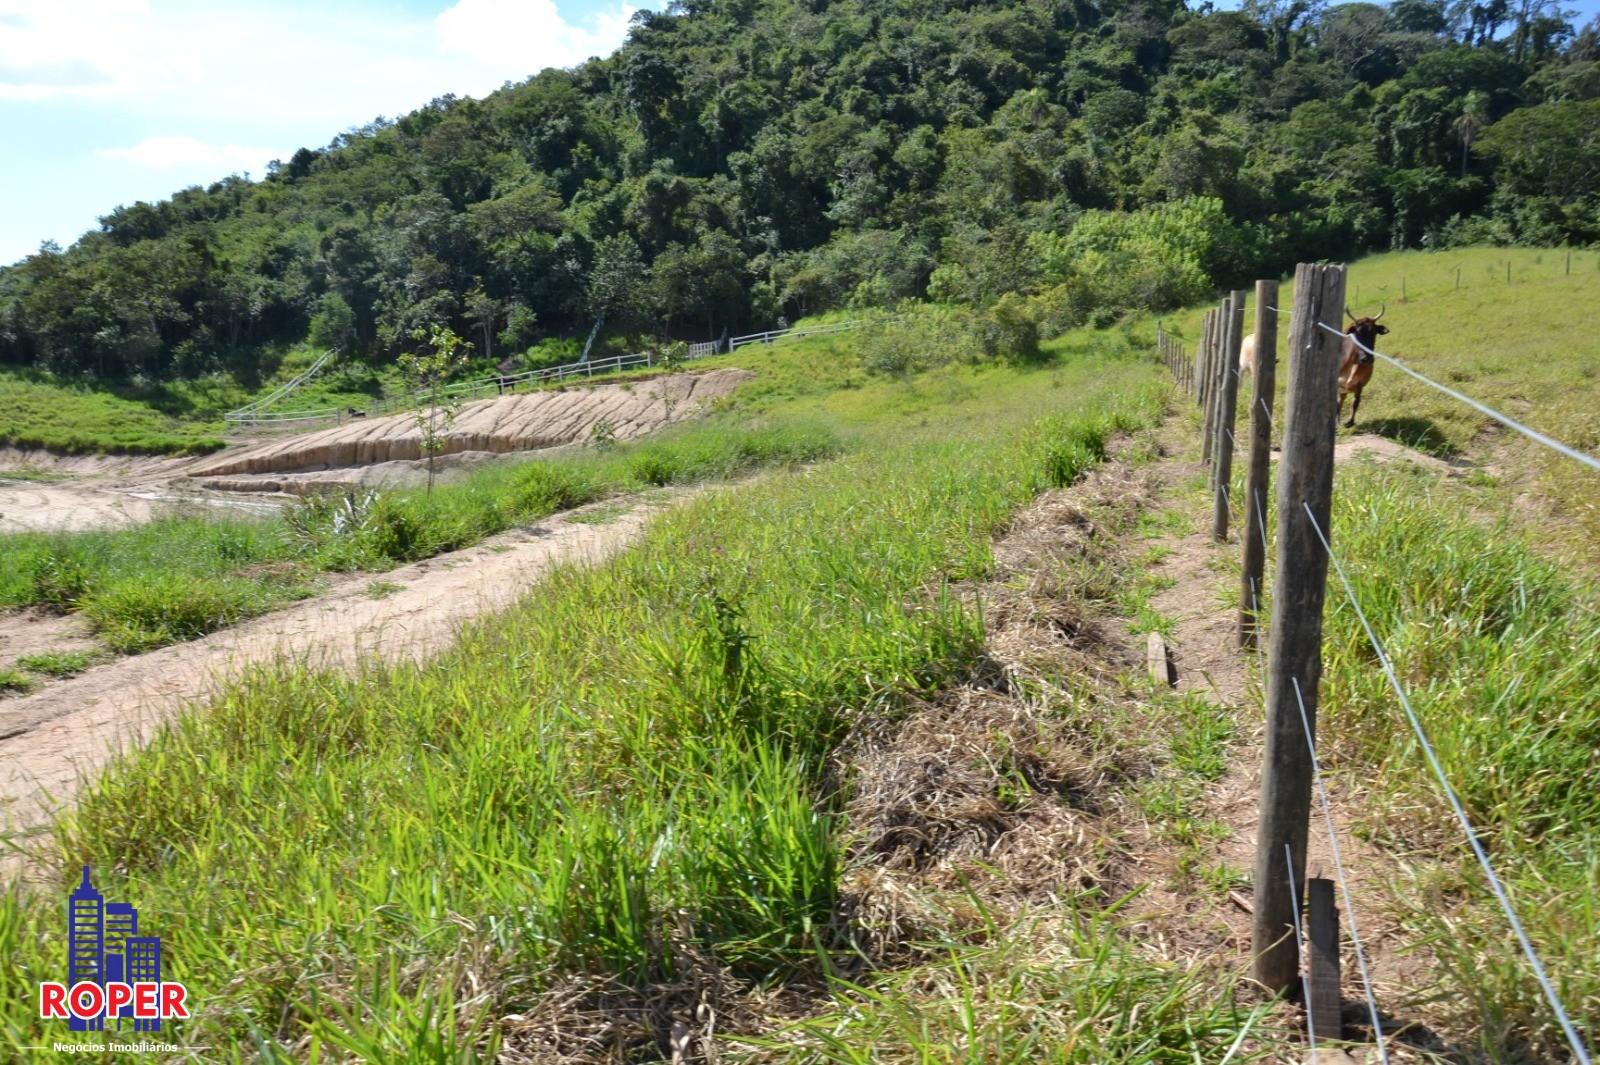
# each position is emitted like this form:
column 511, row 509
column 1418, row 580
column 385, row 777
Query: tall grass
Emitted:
column 1499, row 651
column 638, row 748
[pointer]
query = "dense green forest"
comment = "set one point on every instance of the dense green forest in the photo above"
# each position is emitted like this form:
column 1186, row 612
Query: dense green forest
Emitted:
column 739, row 161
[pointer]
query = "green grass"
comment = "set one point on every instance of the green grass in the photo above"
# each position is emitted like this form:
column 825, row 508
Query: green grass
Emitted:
column 35, row 413
column 432, row 848
column 1064, row 992
column 58, row 664
column 176, row 579
column 1499, row 652
column 15, row 681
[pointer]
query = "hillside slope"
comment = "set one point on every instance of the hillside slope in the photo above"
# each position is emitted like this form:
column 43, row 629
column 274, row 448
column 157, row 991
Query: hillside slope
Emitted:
column 739, row 160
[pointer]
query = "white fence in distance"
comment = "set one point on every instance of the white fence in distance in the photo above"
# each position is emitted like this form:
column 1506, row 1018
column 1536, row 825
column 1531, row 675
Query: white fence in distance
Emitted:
column 255, row 413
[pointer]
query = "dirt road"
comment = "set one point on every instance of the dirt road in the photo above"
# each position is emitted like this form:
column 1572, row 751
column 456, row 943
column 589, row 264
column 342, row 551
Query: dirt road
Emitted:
column 51, row 740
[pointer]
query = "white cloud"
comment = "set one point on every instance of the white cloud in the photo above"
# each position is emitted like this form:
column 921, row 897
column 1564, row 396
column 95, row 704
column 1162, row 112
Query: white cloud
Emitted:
column 514, row 38
column 77, row 47
column 186, row 151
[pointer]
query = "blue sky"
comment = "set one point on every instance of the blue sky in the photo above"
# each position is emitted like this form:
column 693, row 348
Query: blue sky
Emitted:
column 104, row 102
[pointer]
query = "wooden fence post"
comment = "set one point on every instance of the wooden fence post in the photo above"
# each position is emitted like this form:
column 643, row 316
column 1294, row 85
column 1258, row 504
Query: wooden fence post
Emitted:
column 1322, row 960
column 1294, row 646
column 1219, row 373
column 1219, row 336
column 1227, row 416
column 1259, row 472
column 1208, row 382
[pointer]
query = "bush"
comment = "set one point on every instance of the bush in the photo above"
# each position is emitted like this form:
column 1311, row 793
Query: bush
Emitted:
column 1009, row 331
column 919, row 340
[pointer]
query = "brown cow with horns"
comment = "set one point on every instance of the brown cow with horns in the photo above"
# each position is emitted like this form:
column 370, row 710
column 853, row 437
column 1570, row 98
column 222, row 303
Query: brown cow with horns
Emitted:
column 1355, row 364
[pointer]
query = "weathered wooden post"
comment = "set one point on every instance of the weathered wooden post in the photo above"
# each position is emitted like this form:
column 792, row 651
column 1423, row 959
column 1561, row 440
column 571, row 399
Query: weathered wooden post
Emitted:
column 1322, row 961
column 1294, row 646
column 1209, row 383
column 1227, row 415
column 1218, row 373
column 1259, row 471
column 1219, row 335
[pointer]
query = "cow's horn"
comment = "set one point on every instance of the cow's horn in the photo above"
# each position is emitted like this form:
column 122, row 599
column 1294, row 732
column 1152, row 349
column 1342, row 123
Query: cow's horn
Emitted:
column 1348, row 313
column 1383, row 307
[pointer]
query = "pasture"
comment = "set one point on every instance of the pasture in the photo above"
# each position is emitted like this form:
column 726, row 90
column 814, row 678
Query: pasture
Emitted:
column 630, row 795
column 1523, row 348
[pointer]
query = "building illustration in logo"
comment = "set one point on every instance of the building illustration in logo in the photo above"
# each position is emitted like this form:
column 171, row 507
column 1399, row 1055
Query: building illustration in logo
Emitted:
column 104, row 947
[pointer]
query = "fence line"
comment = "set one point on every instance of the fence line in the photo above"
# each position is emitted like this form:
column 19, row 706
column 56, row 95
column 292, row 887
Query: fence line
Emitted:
column 1311, row 310
column 501, row 384
column 285, row 389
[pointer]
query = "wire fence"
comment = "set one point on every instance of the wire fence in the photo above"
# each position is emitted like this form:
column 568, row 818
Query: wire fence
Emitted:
column 1206, row 367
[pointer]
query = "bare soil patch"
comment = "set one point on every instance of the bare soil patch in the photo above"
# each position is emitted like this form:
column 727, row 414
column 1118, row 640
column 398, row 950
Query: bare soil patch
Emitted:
column 507, row 423
column 36, row 631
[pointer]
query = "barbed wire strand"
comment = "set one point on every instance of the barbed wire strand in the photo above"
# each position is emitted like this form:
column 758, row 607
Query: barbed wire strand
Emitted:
column 1532, row 434
column 1571, row 1033
column 1338, row 864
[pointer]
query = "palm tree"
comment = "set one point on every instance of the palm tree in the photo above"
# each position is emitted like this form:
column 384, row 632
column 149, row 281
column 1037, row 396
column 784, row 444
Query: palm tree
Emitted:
column 1474, row 116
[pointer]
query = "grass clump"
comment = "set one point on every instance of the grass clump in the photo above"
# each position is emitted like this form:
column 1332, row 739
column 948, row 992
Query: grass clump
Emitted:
column 152, row 611
column 16, row 682
column 58, row 664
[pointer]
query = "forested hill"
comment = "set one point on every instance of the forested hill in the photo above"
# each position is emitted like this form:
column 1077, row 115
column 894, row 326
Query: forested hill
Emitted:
column 739, row 160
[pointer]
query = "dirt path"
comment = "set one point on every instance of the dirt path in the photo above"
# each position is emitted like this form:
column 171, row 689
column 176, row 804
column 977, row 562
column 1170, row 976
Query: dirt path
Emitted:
column 1204, row 579
column 50, row 741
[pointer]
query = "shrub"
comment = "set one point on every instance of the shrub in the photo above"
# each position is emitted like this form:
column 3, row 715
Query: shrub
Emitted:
column 1009, row 331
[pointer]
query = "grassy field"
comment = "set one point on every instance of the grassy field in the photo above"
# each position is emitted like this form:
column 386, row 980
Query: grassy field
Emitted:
column 641, row 740
column 179, row 578
column 35, row 413
column 627, row 789
column 1524, row 349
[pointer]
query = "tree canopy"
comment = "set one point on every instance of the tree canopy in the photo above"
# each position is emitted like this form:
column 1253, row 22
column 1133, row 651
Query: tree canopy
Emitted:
column 740, row 160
